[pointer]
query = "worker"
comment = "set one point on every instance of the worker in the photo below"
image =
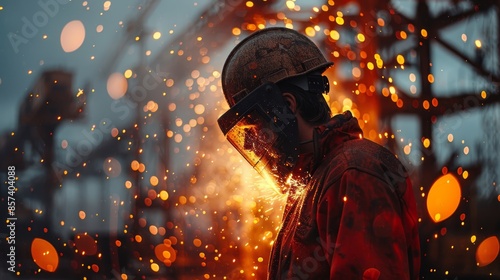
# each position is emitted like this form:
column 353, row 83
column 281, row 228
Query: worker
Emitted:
column 350, row 211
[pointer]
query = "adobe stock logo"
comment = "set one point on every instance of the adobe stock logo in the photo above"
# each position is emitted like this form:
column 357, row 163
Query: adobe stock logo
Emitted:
column 39, row 19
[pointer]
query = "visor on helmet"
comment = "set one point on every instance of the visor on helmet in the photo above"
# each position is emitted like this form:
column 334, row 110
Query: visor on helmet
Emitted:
column 264, row 130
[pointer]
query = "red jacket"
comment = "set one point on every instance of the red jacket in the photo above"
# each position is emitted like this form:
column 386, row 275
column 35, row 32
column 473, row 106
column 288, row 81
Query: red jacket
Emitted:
column 355, row 215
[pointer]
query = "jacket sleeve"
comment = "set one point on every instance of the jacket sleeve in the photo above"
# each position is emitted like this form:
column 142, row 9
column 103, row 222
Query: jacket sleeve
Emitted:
column 361, row 228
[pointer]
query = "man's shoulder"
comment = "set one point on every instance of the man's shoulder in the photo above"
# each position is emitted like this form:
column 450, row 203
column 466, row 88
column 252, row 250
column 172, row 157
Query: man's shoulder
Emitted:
column 361, row 152
column 365, row 156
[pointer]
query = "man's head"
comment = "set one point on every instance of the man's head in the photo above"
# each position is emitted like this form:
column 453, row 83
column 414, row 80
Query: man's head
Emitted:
column 273, row 55
column 269, row 79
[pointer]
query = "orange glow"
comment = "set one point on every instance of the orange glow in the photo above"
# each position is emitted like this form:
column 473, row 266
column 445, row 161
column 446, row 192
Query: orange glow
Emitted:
column 400, row 59
column 44, row 254
column 339, row 20
column 134, row 165
column 182, row 200
column 407, row 149
column 163, row 195
column 487, row 251
column 142, row 167
column 360, row 37
column 165, row 253
column 411, row 27
column 155, row 267
column 153, row 180
column 450, row 137
column 473, row 239
column 385, row 92
column 443, row 198
column 427, row 142
column 403, row 35
column 114, row 132
column 478, row 44
column 399, row 103
column 356, row 72
column 106, row 5
column 394, row 97
column 426, row 104
column 236, row 31
column 82, row 215
column 335, row 35
column 153, row 229
column 423, row 32
column 310, row 31
column 199, row 109
column 152, row 194
column 72, row 36
column 138, row 238
column 128, row 73
column 197, row 242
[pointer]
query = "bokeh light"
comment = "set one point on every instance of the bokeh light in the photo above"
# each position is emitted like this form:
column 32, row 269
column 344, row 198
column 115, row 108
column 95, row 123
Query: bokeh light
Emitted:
column 117, row 85
column 487, row 251
column 106, row 5
column 72, row 36
column 165, row 253
column 443, row 198
column 44, row 254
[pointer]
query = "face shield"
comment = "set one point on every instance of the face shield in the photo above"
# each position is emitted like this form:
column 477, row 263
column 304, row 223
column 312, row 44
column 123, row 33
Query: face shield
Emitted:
column 264, row 130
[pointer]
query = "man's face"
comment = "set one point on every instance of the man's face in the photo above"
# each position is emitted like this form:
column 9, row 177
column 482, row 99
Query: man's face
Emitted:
column 263, row 129
column 254, row 138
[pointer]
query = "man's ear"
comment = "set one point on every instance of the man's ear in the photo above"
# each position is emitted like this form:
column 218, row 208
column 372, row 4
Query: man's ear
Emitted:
column 290, row 101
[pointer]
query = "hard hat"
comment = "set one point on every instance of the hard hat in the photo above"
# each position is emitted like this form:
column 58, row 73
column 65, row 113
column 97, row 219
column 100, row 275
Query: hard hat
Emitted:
column 269, row 55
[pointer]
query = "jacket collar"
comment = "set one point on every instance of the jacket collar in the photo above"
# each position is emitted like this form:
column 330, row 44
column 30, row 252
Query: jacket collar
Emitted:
column 339, row 129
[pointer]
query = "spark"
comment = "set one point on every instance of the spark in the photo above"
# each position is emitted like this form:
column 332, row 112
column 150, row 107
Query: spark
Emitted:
column 80, row 92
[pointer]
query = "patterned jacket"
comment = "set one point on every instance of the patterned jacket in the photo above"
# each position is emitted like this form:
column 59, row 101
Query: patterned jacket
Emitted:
column 355, row 215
